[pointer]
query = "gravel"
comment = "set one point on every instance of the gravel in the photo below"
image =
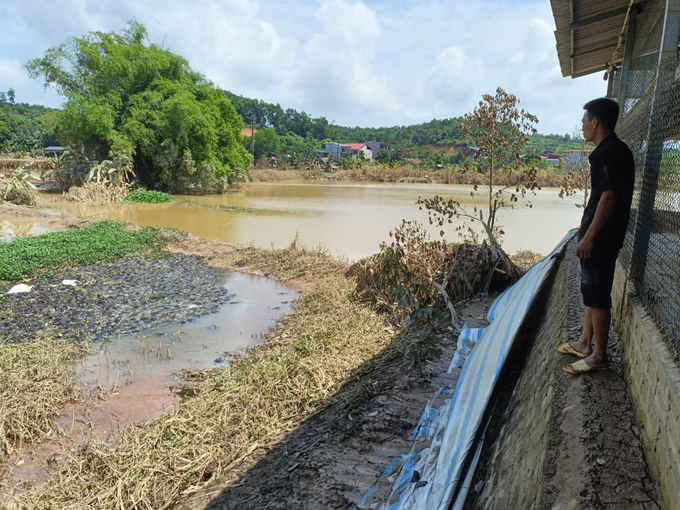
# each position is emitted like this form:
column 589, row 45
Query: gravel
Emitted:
column 125, row 296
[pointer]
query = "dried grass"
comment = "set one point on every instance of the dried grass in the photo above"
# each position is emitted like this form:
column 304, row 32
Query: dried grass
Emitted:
column 294, row 263
column 526, row 258
column 40, row 165
column 36, row 380
column 97, row 192
column 463, row 270
column 19, row 197
column 272, row 175
column 260, row 396
column 402, row 174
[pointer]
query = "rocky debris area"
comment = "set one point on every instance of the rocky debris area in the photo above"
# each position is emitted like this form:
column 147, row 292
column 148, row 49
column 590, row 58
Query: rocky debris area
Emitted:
column 125, row 296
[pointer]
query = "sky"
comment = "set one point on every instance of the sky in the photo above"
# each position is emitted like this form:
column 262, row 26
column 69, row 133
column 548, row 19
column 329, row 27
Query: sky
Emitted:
column 371, row 63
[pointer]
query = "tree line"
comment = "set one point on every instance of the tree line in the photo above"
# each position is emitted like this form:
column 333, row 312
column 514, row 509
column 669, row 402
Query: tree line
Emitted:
column 141, row 107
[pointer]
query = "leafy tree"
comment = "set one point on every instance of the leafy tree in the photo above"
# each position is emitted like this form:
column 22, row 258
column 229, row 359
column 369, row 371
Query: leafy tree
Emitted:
column 11, row 94
column 295, row 144
column 128, row 100
column 267, row 143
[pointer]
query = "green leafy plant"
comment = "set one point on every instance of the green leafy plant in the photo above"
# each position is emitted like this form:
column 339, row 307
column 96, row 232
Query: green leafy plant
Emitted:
column 71, row 168
column 105, row 240
column 144, row 196
column 117, row 170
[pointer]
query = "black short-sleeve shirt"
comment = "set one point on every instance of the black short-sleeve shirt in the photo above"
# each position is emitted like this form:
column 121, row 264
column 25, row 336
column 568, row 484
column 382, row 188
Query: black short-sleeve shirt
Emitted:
column 612, row 167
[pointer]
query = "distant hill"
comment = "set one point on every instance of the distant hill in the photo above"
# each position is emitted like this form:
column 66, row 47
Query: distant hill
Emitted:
column 22, row 125
column 444, row 132
column 25, row 127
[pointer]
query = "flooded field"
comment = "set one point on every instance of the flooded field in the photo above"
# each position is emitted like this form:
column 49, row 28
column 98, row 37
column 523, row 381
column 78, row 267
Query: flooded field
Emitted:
column 349, row 219
column 131, row 378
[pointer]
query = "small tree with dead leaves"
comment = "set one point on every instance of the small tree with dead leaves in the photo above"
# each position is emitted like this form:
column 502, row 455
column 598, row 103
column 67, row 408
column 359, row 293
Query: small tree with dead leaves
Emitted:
column 576, row 183
column 500, row 130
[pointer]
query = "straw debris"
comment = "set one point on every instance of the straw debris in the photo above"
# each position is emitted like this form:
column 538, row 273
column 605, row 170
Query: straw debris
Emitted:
column 526, row 258
column 261, row 395
column 36, row 380
column 96, row 192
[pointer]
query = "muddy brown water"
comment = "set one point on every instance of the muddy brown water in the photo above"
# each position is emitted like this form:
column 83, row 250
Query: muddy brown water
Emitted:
column 350, row 220
column 132, row 379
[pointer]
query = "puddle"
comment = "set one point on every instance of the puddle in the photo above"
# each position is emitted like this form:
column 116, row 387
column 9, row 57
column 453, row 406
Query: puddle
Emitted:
column 133, row 374
column 10, row 230
column 255, row 304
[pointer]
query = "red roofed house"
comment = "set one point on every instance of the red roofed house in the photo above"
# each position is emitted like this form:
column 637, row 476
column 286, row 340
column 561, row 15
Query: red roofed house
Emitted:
column 553, row 159
column 356, row 148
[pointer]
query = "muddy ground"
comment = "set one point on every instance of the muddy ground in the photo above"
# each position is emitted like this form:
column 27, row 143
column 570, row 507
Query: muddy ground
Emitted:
column 613, row 470
column 114, row 298
column 334, row 458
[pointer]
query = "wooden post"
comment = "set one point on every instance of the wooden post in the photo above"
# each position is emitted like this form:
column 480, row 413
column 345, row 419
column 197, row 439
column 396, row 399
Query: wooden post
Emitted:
column 627, row 58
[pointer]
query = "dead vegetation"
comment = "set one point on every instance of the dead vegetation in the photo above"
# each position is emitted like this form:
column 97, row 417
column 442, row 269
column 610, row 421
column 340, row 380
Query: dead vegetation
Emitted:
column 524, row 259
column 401, row 174
column 414, row 260
column 36, row 380
column 271, row 175
column 96, row 192
column 261, row 395
column 20, row 197
column 40, row 165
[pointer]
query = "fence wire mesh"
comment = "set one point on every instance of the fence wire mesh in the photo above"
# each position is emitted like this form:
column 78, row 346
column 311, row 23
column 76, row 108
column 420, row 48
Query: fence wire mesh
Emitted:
column 650, row 125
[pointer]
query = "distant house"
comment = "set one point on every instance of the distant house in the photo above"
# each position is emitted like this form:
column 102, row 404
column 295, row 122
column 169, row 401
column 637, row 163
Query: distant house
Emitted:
column 470, row 151
column 552, row 158
column 334, row 150
column 376, row 147
column 576, row 158
column 53, row 150
column 355, row 149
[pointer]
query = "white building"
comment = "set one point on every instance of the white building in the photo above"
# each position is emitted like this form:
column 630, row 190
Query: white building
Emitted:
column 357, row 148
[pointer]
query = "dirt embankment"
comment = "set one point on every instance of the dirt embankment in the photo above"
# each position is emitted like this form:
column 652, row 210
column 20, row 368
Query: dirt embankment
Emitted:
column 60, row 220
column 400, row 174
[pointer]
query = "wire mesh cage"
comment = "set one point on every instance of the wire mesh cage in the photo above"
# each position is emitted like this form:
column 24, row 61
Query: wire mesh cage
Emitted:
column 650, row 124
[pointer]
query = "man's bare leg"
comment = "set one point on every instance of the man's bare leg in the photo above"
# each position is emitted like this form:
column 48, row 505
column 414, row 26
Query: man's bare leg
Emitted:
column 601, row 318
column 583, row 343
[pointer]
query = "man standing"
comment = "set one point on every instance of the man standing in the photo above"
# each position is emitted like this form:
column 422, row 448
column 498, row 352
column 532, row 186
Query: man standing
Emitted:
column 603, row 228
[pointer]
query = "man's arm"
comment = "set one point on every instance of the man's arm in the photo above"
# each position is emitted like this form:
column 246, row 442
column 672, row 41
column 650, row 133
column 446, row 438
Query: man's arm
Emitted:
column 604, row 211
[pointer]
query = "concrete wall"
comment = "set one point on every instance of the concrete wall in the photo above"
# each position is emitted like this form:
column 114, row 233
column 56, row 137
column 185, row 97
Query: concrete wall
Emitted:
column 654, row 383
column 515, row 476
column 573, row 442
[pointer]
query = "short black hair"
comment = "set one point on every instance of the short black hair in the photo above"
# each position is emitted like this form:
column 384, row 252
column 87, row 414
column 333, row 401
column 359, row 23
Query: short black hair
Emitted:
column 605, row 110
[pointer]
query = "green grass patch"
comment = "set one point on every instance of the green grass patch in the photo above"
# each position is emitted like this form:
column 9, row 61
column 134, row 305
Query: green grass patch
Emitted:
column 144, row 196
column 34, row 256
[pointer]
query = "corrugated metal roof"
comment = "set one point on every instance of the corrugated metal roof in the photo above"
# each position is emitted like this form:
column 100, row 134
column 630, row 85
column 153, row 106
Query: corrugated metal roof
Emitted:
column 587, row 33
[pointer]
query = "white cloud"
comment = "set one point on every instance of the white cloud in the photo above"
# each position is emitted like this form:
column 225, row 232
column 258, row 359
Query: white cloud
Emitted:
column 356, row 62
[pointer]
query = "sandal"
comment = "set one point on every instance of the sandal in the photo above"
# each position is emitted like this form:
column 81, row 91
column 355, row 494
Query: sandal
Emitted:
column 581, row 367
column 568, row 349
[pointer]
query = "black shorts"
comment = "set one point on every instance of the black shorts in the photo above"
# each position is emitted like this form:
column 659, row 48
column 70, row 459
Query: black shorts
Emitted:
column 597, row 279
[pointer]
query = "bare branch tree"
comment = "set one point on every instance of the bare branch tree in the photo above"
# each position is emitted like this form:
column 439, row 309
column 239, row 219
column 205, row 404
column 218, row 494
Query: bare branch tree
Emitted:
column 576, row 183
column 500, row 130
